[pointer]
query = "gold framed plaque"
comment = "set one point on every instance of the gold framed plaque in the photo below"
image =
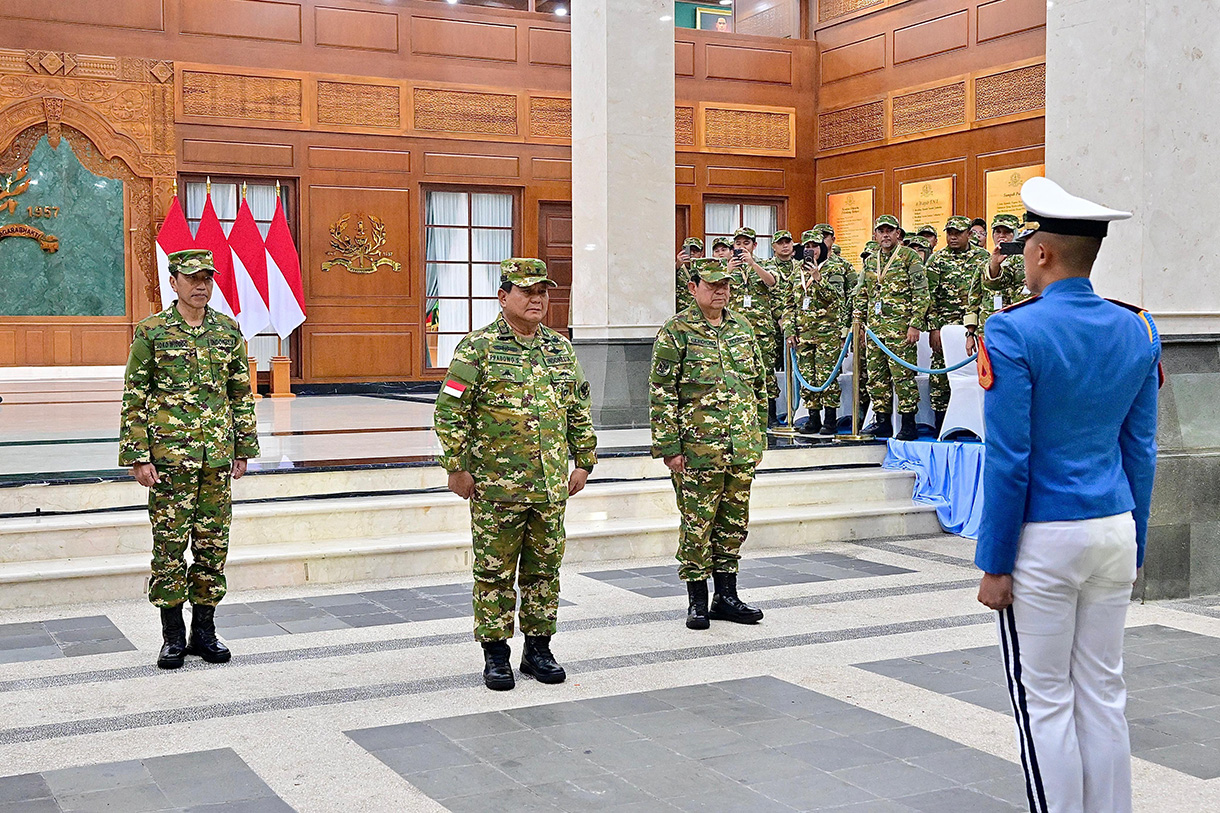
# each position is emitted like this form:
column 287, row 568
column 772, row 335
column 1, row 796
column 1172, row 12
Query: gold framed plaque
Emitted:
column 850, row 214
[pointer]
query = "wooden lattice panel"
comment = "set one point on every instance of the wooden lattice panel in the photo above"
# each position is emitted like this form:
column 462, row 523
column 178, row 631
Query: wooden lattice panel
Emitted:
column 550, row 117
column 1003, row 94
column 930, row 109
column 362, row 105
column 233, row 96
column 684, row 126
column 756, row 130
column 830, row 9
column 851, row 126
column 456, row 111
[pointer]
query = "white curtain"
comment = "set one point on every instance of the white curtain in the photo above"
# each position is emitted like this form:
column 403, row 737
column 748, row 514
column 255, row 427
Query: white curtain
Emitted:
column 761, row 219
column 224, row 201
column 261, row 198
column 447, row 217
column 489, row 246
column 719, row 219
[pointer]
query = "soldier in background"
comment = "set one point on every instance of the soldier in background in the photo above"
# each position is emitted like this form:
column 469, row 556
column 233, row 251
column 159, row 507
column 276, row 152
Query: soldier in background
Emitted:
column 751, row 298
column 722, row 249
column 950, row 272
column 978, row 232
column 929, row 233
column 815, row 319
column 1000, row 284
column 782, row 265
column 708, row 414
column 921, row 244
column 513, row 406
column 188, row 429
column 692, row 247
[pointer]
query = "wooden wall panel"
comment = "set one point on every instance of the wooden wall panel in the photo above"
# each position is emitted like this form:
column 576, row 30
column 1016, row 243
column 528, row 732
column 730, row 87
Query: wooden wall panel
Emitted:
column 740, row 130
column 8, row 347
column 684, row 126
column 854, row 59
column 352, row 28
column 550, row 117
column 241, row 19
column 142, row 14
column 745, row 177
column 359, row 104
column 948, row 33
column 1011, row 92
column 684, row 175
column 455, row 111
column 472, row 166
column 103, row 345
column 359, row 160
column 1000, row 18
column 336, row 213
column 833, row 9
column 208, row 94
column 851, row 126
column 684, row 58
column 748, row 64
column 456, row 38
column 547, row 46
column 553, row 169
column 930, row 109
column 236, row 153
column 359, row 355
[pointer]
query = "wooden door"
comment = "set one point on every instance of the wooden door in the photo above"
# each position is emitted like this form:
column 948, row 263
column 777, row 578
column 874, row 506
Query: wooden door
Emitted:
column 681, row 226
column 555, row 249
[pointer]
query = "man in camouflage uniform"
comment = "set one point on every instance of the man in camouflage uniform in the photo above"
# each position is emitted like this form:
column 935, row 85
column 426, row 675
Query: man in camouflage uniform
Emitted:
column 814, row 322
column 708, row 413
column 513, row 406
column 978, row 232
column 751, row 297
column 187, row 430
column 782, row 266
column 691, row 247
column 921, row 244
column 950, row 272
column 929, row 233
column 1000, row 284
column 892, row 299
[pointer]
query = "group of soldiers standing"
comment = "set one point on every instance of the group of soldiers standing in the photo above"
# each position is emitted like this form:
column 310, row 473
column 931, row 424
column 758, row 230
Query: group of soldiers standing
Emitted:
column 904, row 288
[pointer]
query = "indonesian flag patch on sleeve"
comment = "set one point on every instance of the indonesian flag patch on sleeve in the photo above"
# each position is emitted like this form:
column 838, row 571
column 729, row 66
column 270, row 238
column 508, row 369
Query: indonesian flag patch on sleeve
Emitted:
column 453, row 388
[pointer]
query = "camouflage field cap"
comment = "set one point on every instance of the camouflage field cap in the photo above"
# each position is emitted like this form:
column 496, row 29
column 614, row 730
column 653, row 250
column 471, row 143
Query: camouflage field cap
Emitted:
column 722, row 241
column 929, row 230
column 813, row 235
column 745, row 231
column 524, row 272
column 191, row 261
column 835, row 248
column 887, row 220
column 920, row 242
column 871, row 247
column 693, row 242
column 709, row 269
column 1010, row 222
column 782, row 234
column 825, row 228
column 957, row 223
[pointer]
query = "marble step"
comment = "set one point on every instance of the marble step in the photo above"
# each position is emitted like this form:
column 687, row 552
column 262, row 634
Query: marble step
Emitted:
column 269, row 523
column 126, row 493
column 80, row 579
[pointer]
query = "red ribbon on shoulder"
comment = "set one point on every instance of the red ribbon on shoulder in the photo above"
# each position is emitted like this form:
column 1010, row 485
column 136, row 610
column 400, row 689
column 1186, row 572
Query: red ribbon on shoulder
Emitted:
column 986, row 374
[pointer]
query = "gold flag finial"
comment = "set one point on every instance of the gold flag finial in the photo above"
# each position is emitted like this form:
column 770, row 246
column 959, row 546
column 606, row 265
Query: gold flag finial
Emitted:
column 208, row 184
column 174, row 187
column 243, row 190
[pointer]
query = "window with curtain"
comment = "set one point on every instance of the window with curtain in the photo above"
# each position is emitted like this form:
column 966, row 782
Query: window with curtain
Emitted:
column 723, row 218
column 466, row 235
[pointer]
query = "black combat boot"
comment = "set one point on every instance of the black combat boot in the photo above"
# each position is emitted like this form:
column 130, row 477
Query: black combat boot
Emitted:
column 940, row 421
column 908, row 431
column 497, row 672
column 173, row 633
column 204, row 642
column 772, row 418
column 830, row 426
column 538, row 661
column 880, row 427
column 812, row 425
column 726, row 606
column 696, row 612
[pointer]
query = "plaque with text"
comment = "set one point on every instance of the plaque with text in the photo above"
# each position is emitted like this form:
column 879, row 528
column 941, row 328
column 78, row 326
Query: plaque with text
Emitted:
column 851, row 216
column 1003, row 188
column 927, row 203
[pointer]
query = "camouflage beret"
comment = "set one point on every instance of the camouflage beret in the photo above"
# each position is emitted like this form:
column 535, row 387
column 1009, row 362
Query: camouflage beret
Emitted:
column 709, row 269
column 928, row 229
column 727, row 242
column 782, row 234
column 524, row 272
column 191, row 261
column 693, row 242
column 887, row 220
column 824, row 228
column 745, row 231
column 1010, row 222
column 814, row 235
column 958, row 223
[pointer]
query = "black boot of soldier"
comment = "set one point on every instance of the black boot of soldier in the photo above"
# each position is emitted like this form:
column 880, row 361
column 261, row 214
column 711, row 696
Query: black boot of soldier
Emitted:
column 830, row 426
column 881, row 427
column 538, row 661
column 772, row 418
column 908, row 431
column 696, row 611
column 497, row 671
column 204, row 642
column 173, row 633
column 811, row 426
column 940, row 421
column 726, row 606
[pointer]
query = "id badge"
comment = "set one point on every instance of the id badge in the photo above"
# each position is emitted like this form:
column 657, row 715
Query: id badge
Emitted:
column 747, row 301
column 805, row 304
column 997, row 301
column 877, row 308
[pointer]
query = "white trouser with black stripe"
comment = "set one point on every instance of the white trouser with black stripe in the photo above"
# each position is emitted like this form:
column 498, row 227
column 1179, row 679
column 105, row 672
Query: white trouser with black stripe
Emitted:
column 1062, row 643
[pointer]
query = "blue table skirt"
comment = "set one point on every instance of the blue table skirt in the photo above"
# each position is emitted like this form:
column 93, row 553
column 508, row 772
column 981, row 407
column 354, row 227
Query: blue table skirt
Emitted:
column 948, row 476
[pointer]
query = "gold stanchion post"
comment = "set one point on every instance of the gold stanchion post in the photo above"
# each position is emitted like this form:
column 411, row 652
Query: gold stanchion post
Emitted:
column 857, row 344
column 789, row 383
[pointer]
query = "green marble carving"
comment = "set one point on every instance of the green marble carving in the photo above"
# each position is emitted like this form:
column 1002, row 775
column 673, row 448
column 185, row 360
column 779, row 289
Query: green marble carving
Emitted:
column 84, row 212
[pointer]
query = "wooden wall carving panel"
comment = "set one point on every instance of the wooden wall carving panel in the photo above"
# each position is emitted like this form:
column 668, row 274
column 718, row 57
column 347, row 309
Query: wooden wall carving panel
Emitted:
column 684, row 126
column 852, row 125
column 929, row 109
column 1004, row 94
column 238, row 96
column 241, row 19
column 753, row 130
column 775, row 21
column 550, row 117
column 459, row 111
column 358, row 104
column 831, row 9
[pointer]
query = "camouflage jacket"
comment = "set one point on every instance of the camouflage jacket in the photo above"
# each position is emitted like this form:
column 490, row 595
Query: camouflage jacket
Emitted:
column 988, row 295
column 682, row 295
column 708, row 392
column 783, row 271
column 950, row 273
column 510, row 412
column 817, row 307
column 187, row 398
column 892, row 292
column 751, row 299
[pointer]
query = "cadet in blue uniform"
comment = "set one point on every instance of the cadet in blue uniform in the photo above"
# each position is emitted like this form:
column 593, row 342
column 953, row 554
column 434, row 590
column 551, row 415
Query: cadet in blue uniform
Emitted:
column 1071, row 450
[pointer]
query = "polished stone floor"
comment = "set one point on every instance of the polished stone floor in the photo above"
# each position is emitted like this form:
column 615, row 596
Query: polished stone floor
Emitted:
column 872, row 687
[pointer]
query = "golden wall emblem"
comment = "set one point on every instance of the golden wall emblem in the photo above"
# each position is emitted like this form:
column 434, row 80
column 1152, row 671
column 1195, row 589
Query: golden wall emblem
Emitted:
column 47, row 242
column 8, row 194
column 360, row 252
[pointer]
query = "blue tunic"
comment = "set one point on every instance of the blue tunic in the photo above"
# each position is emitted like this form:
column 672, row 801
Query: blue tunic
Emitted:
column 1071, row 417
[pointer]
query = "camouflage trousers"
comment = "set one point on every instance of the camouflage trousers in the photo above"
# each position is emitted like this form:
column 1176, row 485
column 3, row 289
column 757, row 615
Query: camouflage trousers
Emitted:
column 189, row 506
column 519, row 543
column 884, row 373
column 715, row 508
column 938, row 385
column 815, row 358
column 768, row 344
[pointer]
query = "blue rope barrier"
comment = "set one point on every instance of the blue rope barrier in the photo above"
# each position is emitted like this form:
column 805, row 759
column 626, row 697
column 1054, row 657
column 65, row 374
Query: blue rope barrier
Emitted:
column 873, row 336
column 805, row 385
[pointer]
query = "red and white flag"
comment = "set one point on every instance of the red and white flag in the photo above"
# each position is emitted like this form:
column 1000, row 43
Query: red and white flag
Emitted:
column 175, row 235
column 285, row 293
column 453, row 388
column 211, row 236
column 250, row 269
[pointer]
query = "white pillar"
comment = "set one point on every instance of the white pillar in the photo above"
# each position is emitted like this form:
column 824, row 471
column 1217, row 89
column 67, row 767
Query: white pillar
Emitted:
column 622, row 196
